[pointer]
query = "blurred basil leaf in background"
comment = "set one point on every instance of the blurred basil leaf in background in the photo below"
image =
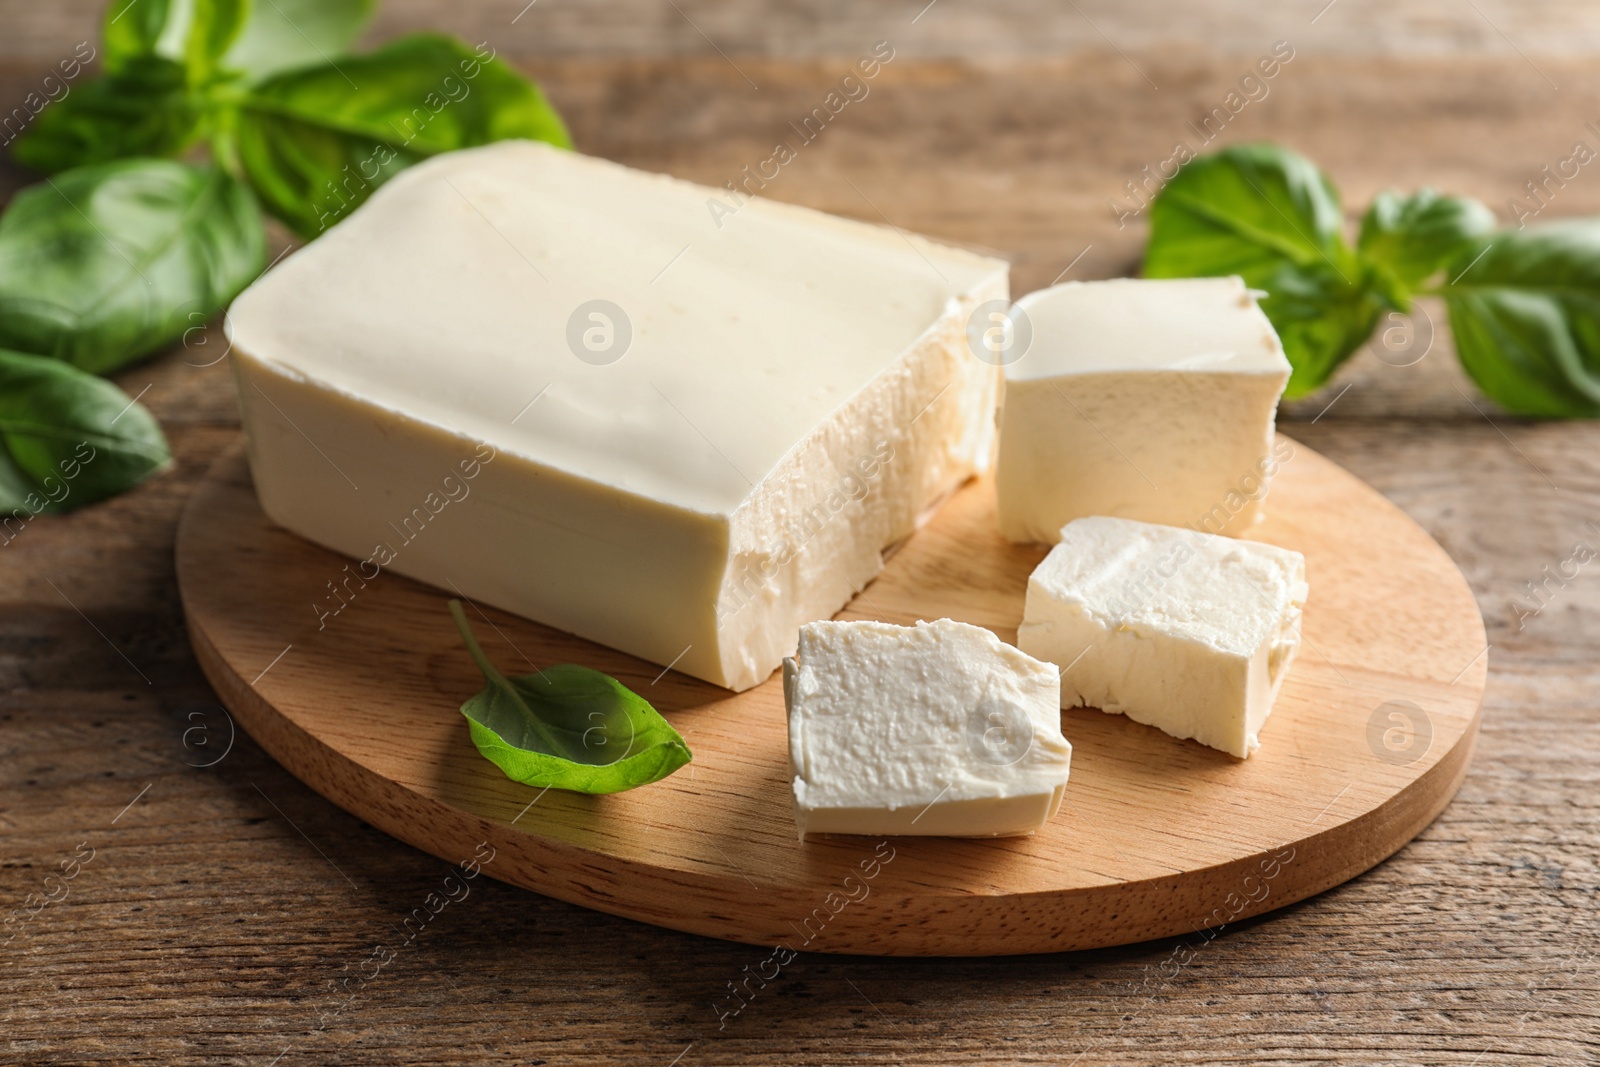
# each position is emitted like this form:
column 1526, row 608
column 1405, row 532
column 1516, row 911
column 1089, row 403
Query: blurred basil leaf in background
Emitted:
column 147, row 102
column 67, row 438
column 105, row 264
column 132, row 29
column 283, row 34
column 1410, row 238
column 214, row 26
column 144, row 109
column 271, row 36
column 316, row 142
column 1525, row 313
column 1269, row 215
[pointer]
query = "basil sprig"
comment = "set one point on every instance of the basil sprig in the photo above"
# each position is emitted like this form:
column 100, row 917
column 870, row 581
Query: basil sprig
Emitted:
column 568, row 727
column 312, row 128
column 1524, row 305
column 119, row 254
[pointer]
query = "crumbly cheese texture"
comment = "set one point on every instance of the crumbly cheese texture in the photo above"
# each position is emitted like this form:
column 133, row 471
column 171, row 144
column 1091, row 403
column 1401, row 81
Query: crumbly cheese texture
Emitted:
column 794, row 392
column 1143, row 399
column 1185, row 631
column 934, row 729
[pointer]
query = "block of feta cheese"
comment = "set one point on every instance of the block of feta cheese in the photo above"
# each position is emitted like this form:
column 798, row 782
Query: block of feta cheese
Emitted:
column 1189, row 632
column 602, row 399
column 935, row 729
column 1144, row 399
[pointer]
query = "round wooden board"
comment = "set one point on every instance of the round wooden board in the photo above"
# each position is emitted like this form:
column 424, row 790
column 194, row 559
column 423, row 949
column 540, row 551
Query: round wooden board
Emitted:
column 1370, row 738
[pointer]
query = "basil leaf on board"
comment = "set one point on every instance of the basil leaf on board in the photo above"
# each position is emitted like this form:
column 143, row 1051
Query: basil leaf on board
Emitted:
column 67, row 438
column 568, row 727
column 143, row 109
column 1413, row 237
column 105, row 264
column 132, row 28
column 316, row 142
column 1525, row 313
column 1269, row 215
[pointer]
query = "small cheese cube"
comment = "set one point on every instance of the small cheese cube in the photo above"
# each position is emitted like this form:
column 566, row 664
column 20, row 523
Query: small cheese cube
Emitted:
column 1150, row 400
column 1178, row 629
column 934, row 729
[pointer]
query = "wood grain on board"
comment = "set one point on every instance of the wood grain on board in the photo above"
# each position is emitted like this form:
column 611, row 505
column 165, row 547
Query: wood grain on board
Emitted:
column 228, row 903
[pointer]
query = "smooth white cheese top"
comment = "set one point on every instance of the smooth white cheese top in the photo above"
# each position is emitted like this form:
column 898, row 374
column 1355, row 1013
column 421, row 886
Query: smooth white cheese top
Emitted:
column 447, row 297
column 885, row 716
column 1143, row 324
column 1231, row 595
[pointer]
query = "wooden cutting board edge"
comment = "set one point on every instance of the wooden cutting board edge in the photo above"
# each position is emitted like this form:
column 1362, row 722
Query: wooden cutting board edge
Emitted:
column 1195, row 902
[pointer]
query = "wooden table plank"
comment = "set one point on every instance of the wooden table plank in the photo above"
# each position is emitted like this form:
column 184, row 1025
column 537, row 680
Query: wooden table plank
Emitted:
column 224, row 906
column 999, row 28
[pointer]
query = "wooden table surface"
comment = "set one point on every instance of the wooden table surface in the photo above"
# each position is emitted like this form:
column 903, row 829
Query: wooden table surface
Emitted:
column 216, row 909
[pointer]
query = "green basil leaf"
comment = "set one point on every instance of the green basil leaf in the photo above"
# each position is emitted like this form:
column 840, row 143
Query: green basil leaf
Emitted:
column 143, row 109
column 105, row 264
column 255, row 39
column 1413, row 237
column 214, row 26
column 284, row 34
column 568, row 727
column 1321, row 319
column 316, row 142
column 132, row 29
column 1270, row 216
column 67, row 438
column 1525, row 314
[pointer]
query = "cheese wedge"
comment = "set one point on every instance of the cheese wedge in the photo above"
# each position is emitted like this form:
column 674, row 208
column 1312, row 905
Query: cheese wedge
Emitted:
column 1185, row 631
column 1151, row 400
column 702, row 430
column 934, row 729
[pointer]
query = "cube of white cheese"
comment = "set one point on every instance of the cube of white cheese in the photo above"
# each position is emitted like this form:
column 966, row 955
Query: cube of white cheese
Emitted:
column 1182, row 630
column 1143, row 399
column 702, row 427
column 934, row 729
